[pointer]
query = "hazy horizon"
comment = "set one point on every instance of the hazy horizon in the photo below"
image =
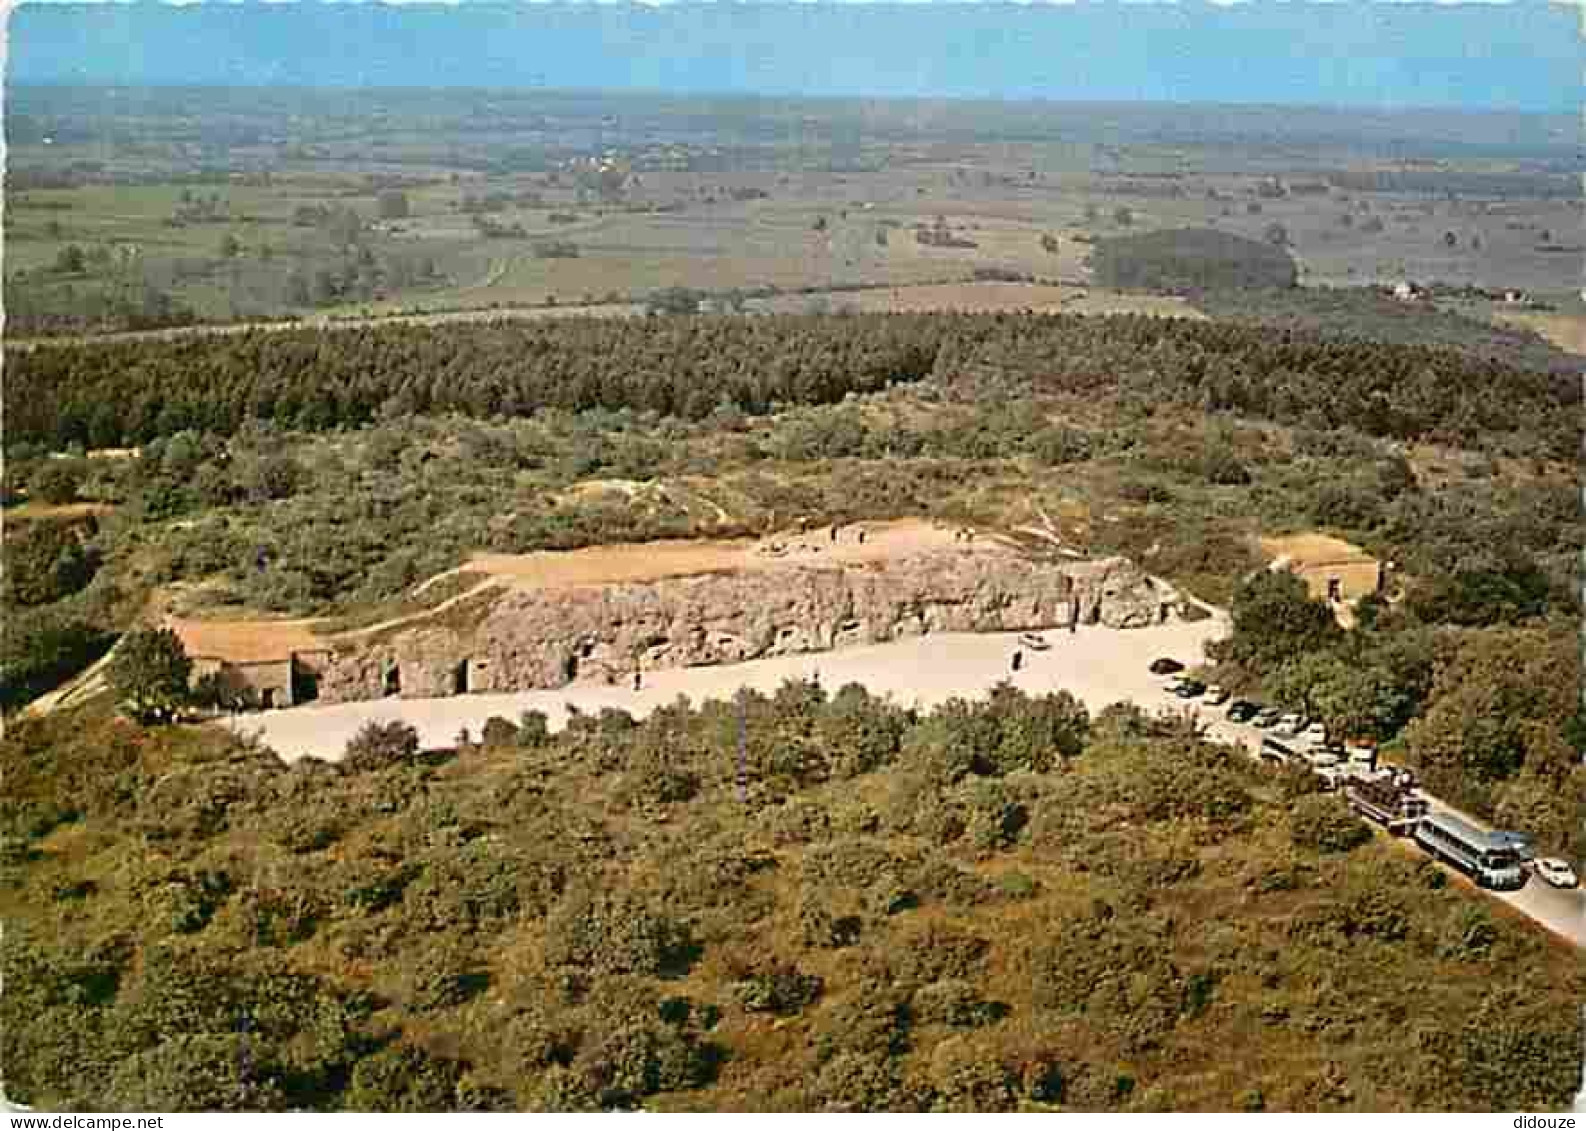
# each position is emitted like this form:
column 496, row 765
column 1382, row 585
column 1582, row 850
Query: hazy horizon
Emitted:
column 1522, row 57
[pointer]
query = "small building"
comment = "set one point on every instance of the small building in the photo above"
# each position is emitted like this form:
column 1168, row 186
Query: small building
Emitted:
column 271, row 664
column 1333, row 570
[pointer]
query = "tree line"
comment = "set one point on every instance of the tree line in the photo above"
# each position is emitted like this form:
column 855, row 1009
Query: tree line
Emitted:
column 114, row 394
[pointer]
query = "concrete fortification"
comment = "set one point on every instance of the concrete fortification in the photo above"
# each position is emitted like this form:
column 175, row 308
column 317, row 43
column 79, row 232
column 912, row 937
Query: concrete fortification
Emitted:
column 547, row 637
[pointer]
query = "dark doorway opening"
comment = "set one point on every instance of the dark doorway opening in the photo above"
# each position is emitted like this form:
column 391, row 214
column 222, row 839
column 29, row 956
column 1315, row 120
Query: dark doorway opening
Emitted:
column 305, row 685
column 393, row 680
column 1335, row 590
column 460, row 678
column 267, row 698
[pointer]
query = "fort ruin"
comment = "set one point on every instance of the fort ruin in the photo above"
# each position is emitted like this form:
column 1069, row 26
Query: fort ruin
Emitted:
column 543, row 621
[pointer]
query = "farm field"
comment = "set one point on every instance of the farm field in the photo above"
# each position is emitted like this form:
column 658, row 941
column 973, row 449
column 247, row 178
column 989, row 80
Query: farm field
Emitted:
column 340, row 227
column 1567, row 331
column 991, row 297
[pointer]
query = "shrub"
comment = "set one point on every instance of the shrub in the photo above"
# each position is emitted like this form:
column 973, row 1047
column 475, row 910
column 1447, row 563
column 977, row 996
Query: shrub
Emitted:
column 499, row 732
column 781, row 989
column 615, row 934
column 534, row 730
column 856, row 1082
column 198, row 1073
column 969, row 1077
column 1054, row 447
column 401, row 1078
column 1325, row 824
column 377, row 746
column 820, row 929
column 954, row 1002
column 44, row 562
column 1224, row 469
column 443, row 974
column 642, row 1059
column 57, row 481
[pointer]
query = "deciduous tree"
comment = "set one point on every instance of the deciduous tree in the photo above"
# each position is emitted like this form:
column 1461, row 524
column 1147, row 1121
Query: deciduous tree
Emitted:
column 151, row 672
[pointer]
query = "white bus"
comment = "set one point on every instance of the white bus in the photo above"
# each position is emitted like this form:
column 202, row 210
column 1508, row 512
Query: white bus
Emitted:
column 1487, row 858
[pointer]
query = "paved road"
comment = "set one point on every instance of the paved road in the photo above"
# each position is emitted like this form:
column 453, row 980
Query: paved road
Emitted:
column 1562, row 912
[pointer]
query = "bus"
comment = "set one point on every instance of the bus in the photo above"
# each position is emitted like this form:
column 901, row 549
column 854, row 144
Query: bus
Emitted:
column 1485, row 857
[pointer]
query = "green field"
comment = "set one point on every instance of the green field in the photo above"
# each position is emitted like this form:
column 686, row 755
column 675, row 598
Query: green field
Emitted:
column 153, row 216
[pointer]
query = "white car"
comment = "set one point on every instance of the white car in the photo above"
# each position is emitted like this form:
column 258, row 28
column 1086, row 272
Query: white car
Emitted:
column 1331, row 777
column 1216, row 695
column 1317, row 733
column 1289, row 726
column 1557, row 872
column 1323, row 759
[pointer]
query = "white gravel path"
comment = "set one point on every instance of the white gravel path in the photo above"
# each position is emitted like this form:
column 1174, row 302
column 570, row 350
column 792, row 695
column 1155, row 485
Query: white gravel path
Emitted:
column 1098, row 665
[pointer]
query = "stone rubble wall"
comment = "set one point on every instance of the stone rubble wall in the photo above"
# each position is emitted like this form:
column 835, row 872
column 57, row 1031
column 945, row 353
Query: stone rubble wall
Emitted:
column 548, row 638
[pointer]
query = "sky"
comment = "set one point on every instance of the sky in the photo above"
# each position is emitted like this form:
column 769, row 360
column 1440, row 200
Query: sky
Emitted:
column 1517, row 56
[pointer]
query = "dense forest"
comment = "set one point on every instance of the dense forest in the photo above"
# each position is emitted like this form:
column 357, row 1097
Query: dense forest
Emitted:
column 127, row 393
column 1183, row 259
column 1360, row 314
column 1010, row 905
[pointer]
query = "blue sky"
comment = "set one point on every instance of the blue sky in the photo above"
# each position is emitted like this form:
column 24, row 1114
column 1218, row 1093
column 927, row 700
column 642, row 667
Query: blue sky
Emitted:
column 1518, row 56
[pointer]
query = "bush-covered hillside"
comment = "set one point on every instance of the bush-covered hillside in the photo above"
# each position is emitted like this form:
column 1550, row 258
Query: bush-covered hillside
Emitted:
column 1191, row 259
column 996, row 907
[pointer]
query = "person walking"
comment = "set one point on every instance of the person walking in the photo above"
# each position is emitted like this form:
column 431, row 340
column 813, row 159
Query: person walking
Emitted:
column 1018, row 659
column 638, row 679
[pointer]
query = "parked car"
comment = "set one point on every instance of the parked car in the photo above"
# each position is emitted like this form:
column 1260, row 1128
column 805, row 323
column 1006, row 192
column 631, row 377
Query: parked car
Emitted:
column 1331, row 777
column 1165, row 666
column 1361, row 755
column 1216, row 696
column 1189, row 689
column 1274, row 751
column 1557, row 872
column 1267, row 717
column 1322, row 759
column 1316, row 733
column 1290, row 725
column 1034, row 641
column 1243, row 710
